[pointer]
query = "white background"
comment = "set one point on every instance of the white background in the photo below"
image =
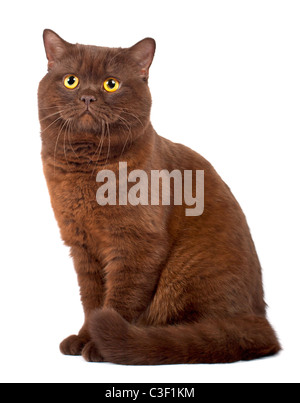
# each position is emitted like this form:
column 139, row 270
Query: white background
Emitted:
column 226, row 82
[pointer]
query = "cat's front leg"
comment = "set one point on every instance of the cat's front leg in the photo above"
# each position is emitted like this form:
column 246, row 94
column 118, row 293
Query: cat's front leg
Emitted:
column 130, row 288
column 73, row 345
column 81, row 344
column 129, row 291
column 134, row 267
column 90, row 279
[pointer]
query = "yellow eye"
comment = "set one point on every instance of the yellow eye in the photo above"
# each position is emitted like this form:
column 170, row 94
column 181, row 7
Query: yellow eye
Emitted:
column 71, row 81
column 111, row 84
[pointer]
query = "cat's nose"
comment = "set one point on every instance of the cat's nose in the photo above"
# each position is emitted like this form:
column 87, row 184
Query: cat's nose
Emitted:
column 87, row 99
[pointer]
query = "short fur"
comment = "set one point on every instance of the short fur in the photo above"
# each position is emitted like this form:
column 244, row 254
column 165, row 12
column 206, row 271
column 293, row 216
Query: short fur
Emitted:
column 157, row 287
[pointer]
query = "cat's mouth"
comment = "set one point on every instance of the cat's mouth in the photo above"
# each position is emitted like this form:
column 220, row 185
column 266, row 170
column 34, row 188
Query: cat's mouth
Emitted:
column 87, row 115
column 86, row 112
column 91, row 121
column 91, row 118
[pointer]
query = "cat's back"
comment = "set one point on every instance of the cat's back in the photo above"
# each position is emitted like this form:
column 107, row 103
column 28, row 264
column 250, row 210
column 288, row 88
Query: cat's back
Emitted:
column 222, row 220
column 178, row 156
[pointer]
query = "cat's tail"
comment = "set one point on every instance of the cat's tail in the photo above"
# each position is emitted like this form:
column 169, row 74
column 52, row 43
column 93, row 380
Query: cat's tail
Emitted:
column 209, row 341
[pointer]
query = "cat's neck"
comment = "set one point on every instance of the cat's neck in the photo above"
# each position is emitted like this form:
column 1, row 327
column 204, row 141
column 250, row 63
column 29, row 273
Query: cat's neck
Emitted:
column 90, row 153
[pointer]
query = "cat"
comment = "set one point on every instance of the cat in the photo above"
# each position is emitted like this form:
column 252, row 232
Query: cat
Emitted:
column 157, row 286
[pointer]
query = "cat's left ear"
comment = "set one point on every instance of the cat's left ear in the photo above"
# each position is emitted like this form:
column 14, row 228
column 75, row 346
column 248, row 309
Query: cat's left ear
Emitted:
column 143, row 53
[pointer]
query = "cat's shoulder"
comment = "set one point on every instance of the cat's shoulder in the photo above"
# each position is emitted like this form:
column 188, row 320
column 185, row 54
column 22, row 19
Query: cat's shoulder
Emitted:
column 182, row 155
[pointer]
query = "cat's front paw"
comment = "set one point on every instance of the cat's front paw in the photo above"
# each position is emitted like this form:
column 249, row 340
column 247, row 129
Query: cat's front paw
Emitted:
column 73, row 345
column 91, row 354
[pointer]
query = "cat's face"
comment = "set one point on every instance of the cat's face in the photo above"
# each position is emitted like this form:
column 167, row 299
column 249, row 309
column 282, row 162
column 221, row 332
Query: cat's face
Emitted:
column 91, row 89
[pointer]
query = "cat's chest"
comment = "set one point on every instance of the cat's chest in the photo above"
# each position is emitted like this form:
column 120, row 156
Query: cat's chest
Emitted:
column 76, row 210
column 108, row 231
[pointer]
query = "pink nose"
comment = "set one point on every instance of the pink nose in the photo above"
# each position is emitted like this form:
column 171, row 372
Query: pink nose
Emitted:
column 87, row 99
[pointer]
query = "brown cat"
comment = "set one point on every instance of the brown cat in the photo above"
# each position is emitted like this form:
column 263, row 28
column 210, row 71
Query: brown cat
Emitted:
column 157, row 286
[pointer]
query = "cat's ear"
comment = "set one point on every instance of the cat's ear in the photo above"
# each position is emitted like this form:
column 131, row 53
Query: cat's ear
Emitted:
column 55, row 47
column 143, row 53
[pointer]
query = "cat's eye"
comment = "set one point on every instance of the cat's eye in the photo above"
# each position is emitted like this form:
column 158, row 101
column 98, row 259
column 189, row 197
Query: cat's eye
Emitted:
column 71, row 81
column 111, row 84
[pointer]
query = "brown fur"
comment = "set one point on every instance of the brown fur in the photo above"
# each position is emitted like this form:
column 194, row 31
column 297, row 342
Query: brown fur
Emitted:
column 157, row 287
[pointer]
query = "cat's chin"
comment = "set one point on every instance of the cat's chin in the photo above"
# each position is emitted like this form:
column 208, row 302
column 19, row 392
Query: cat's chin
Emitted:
column 87, row 117
column 88, row 123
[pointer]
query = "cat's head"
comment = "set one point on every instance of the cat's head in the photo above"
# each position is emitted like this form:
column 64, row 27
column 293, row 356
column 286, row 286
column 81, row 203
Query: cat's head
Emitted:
column 90, row 89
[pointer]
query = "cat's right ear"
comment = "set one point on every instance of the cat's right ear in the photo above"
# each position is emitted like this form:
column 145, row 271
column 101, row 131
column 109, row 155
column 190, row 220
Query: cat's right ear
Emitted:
column 55, row 47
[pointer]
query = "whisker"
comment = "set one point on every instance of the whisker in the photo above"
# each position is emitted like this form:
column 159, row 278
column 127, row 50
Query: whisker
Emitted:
column 108, row 149
column 123, row 149
column 50, row 107
column 99, row 149
column 56, row 120
column 55, row 148
column 125, row 122
column 125, row 110
column 65, row 153
column 52, row 114
column 69, row 140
